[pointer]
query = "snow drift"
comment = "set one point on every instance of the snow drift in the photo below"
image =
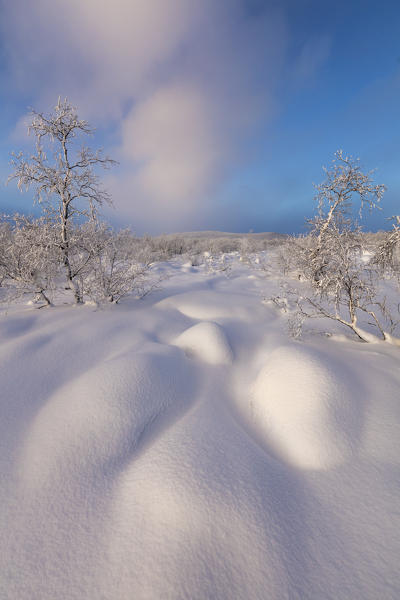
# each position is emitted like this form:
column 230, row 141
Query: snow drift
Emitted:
column 181, row 447
column 306, row 409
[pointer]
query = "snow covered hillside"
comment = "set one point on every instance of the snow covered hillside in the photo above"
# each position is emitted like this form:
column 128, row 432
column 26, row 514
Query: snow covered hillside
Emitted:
column 185, row 447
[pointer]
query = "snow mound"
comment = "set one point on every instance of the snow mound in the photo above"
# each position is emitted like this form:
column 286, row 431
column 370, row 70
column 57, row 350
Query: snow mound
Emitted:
column 95, row 423
column 304, row 411
column 206, row 341
column 211, row 305
column 188, row 267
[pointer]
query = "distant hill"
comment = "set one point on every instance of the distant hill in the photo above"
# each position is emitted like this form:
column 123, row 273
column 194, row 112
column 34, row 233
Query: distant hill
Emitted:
column 268, row 235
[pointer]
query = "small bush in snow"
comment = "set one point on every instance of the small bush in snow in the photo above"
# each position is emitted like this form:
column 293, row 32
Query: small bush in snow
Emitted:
column 29, row 257
column 116, row 265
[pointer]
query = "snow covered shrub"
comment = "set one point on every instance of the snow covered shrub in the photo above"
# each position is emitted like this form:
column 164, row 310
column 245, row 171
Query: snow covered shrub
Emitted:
column 223, row 245
column 29, row 257
column 246, row 248
column 5, row 240
column 288, row 256
column 108, row 265
column 346, row 287
column 249, row 246
column 196, row 259
column 387, row 255
column 165, row 247
column 216, row 263
column 295, row 324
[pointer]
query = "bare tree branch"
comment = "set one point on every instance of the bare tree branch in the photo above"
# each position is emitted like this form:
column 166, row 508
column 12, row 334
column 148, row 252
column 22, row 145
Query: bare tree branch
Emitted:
column 64, row 178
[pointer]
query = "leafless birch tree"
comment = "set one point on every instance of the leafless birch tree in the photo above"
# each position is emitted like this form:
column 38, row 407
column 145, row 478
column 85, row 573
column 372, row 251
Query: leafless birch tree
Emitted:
column 344, row 286
column 63, row 176
column 345, row 184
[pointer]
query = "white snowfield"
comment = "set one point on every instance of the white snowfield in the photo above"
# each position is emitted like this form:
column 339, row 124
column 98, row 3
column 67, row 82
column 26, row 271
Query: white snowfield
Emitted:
column 184, row 447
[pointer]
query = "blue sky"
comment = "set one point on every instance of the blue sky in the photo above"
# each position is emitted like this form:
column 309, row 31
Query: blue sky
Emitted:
column 221, row 115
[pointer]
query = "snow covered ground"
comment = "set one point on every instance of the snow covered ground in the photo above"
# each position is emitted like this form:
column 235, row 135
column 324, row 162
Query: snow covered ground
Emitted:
column 185, row 447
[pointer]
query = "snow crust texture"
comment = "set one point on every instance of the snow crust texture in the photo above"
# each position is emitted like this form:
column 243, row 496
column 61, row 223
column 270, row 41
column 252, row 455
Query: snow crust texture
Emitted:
column 182, row 447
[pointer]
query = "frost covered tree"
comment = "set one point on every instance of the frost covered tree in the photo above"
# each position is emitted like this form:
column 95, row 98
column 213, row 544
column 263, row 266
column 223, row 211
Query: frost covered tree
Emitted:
column 63, row 175
column 344, row 286
column 29, row 258
column 387, row 256
column 345, row 184
column 112, row 264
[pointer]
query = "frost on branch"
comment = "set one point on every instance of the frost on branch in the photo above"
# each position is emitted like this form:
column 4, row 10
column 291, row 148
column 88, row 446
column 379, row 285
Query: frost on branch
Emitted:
column 343, row 286
column 387, row 256
column 111, row 265
column 29, row 258
column 63, row 176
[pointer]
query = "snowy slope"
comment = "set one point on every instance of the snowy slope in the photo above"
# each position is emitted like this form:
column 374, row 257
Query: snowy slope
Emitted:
column 184, row 447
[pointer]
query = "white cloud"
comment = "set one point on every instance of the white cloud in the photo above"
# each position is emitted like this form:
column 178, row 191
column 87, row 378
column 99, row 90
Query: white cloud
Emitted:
column 183, row 81
column 172, row 133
